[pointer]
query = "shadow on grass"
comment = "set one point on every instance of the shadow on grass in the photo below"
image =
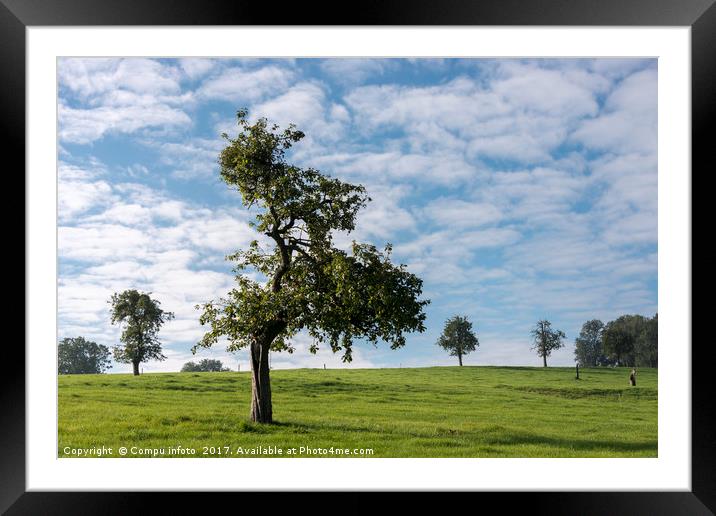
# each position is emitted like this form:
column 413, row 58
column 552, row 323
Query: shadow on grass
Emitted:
column 490, row 437
column 572, row 393
column 514, row 438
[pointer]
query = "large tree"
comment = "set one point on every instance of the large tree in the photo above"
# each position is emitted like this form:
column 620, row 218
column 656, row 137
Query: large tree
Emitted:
column 546, row 339
column 141, row 318
column 304, row 282
column 588, row 346
column 80, row 356
column 458, row 338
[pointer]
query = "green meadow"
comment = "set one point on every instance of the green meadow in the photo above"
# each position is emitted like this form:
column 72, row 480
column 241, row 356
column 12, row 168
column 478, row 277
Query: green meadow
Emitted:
column 423, row 412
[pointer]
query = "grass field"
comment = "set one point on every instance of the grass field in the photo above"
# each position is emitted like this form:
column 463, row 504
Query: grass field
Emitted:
column 426, row 412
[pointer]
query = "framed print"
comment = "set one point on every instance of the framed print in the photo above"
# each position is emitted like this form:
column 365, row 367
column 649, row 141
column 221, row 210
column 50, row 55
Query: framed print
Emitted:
column 409, row 251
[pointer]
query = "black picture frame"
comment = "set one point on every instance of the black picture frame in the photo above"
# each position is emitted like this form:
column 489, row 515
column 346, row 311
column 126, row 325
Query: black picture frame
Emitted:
column 700, row 15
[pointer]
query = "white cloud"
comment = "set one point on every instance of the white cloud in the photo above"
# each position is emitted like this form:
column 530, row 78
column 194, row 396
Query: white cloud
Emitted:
column 395, row 166
column 79, row 192
column 628, row 121
column 86, row 125
column 118, row 96
column 306, row 105
column 246, row 85
column 459, row 213
column 350, row 71
column 196, row 67
column 90, row 77
column 534, row 89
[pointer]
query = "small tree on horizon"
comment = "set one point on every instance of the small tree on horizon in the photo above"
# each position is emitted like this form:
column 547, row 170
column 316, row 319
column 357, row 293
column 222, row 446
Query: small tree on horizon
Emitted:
column 546, row 339
column 80, row 356
column 458, row 338
column 141, row 317
column 205, row 365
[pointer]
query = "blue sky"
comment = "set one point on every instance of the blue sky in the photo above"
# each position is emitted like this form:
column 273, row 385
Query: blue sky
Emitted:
column 516, row 189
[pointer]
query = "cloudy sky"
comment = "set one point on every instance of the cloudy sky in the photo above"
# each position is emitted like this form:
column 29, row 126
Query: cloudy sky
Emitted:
column 516, row 189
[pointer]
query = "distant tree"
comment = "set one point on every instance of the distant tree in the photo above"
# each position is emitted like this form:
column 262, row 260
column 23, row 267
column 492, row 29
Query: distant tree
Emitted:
column 457, row 337
column 588, row 346
column 335, row 295
column 205, row 365
column 141, row 318
column 79, row 356
column 620, row 336
column 646, row 347
column 546, row 339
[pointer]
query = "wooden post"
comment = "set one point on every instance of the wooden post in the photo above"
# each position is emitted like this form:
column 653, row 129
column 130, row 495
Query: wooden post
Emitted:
column 577, row 372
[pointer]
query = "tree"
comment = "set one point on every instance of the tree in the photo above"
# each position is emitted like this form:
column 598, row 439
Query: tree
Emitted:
column 457, row 337
column 79, row 356
column 619, row 338
column 588, row 346
column 646, row 347
column 632, row 340
column 142, row 318
column 546, row 339
column 205, row 365
column 335, row 295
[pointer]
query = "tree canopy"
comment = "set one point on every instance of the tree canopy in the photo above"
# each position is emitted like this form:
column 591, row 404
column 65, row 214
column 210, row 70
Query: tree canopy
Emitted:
column 80, row 356
column 458, row 338
column 205, row 365
column 588, row 345
column 142, row 318
column 546, row 339
column 304, row 282
column 632, row 340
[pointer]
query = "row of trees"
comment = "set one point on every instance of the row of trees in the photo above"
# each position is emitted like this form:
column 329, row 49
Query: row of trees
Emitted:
column 77, row 355
column 629, row 340
column 140, row 317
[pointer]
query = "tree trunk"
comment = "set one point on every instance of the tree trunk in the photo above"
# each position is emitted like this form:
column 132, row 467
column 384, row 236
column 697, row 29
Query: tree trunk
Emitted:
column 544, row 358
column 135, row 367
column 459, row 358
column 260, row 383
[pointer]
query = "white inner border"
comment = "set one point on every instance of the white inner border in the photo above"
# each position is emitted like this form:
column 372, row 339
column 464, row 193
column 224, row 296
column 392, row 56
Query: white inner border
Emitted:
column 671, row 470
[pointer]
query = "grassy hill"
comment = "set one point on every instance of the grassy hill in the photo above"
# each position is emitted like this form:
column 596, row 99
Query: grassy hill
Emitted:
column 426, row 412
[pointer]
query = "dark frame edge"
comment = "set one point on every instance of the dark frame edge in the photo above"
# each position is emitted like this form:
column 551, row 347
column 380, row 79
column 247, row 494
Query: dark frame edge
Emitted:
column 703, row 113
column 12, row 381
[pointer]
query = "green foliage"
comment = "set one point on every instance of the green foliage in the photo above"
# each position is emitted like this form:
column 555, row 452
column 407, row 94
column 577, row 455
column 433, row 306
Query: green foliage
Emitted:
column 457, row 337
column 632, row 340
column 205, row 365
column 588, row 346
column 546, row 339
column 422, row 412
column 79, row 356
column 141, row 318
column 646, row 347
column 336, row 296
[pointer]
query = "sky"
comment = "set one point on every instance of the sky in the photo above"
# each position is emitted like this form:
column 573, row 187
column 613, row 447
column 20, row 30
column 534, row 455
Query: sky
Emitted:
column 518, row 190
